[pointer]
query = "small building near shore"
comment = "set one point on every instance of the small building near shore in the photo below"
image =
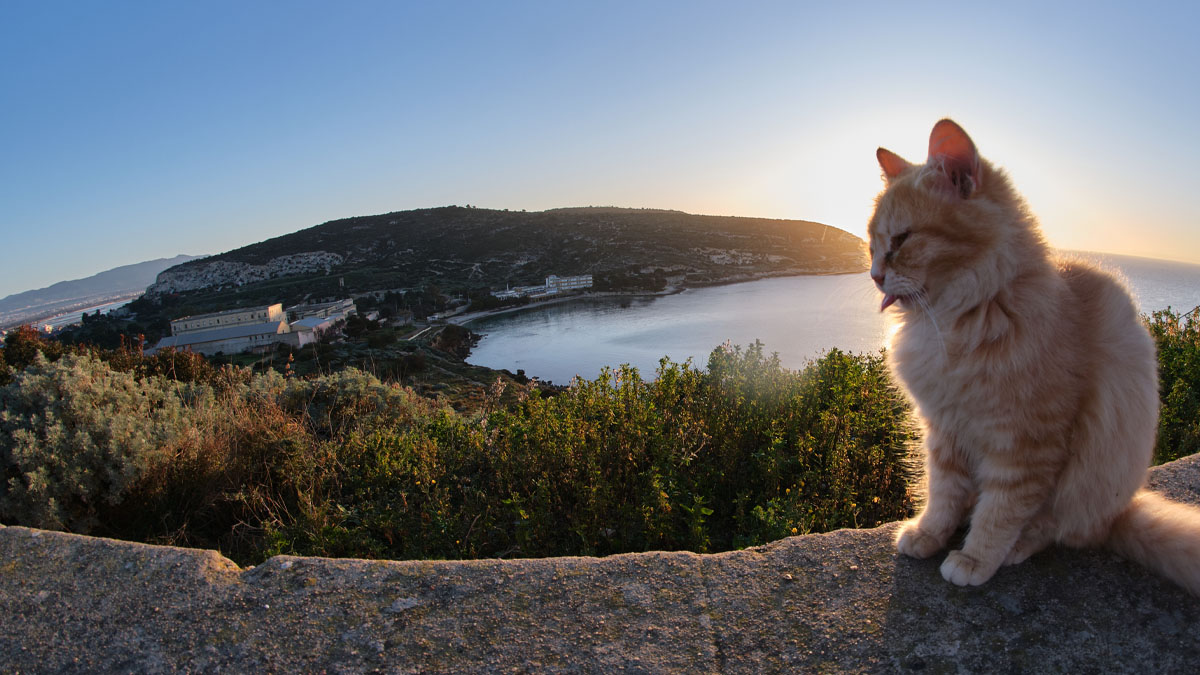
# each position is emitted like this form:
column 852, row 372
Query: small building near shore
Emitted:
column 338, row 309
column 575, row 283
column 310, row 330
column 453, row 311
column 554, row 285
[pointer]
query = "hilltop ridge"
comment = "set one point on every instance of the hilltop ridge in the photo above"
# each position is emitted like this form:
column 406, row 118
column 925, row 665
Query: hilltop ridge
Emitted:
column 460, row 248
column 121, row 282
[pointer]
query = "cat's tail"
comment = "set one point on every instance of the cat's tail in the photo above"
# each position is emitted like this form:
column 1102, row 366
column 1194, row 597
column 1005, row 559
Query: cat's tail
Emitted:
column 1162, row 535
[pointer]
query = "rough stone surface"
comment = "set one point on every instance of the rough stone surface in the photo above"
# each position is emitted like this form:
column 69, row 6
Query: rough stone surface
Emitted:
column 208, row 273
column 842, row 601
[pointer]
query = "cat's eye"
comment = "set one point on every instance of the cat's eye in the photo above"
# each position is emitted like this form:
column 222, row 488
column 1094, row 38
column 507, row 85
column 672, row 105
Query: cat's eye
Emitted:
column 899, row 239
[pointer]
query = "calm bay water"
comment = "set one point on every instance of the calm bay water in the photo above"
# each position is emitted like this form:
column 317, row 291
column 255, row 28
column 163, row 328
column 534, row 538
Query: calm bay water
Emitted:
column 60, row 320
column 799, row 317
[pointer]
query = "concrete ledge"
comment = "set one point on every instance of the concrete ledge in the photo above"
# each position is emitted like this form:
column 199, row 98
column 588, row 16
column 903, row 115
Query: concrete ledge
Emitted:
column 839, row 601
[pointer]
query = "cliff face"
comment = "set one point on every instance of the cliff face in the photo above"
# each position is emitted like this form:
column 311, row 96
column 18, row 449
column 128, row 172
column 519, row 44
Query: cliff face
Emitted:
column 838, row 601
column 206, row 274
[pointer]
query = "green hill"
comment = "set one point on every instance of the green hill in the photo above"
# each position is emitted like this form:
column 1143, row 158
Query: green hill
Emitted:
column 459, row 249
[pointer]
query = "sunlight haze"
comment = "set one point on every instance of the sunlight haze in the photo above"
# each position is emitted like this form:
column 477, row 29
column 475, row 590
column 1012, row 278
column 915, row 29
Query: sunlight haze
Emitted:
column 142, row 130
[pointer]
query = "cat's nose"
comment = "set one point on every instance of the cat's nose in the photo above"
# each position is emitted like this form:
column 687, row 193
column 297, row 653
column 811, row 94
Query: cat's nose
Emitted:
column 878, row 277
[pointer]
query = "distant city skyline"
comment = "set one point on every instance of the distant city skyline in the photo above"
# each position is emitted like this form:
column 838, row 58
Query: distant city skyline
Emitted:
column 143, row 130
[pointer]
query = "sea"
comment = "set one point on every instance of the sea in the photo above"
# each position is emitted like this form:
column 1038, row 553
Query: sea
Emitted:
column 797, row 317
column 62, row 320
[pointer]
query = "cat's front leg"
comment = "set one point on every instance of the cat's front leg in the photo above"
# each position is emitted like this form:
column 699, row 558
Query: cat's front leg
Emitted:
column 1037, row 535
column 950, row 495
column 1007, row 504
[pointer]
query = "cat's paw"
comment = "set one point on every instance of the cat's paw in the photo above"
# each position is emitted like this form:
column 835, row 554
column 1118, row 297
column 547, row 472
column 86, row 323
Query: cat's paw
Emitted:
column 916, row 543
column 961, row 569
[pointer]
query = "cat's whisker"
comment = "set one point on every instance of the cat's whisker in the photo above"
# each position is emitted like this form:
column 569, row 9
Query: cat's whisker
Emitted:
column 923, row 301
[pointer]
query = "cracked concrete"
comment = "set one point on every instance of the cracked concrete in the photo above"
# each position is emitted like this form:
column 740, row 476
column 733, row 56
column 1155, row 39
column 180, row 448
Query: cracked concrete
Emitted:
column 841, row 601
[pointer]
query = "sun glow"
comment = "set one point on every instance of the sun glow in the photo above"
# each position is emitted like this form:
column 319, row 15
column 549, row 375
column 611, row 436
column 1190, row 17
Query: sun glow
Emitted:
column 773, row 113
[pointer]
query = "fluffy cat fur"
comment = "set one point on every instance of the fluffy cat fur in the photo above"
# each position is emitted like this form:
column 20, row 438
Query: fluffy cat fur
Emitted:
column 1034, row 378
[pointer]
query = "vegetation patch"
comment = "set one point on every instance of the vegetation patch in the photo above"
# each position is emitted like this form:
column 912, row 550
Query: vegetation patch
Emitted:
column 345, row 464
column 173, row 449
column 1177, row 339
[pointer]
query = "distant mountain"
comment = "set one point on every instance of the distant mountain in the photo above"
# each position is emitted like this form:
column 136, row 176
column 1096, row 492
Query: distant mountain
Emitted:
column 64, row 296
column 456, row 248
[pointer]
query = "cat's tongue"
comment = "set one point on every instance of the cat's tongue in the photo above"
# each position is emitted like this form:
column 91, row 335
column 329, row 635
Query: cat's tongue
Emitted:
column 888, row 299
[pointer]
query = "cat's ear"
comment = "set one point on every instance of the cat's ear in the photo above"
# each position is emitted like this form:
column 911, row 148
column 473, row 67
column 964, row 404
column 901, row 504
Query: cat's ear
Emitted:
column 891, row 163
column 953, row 152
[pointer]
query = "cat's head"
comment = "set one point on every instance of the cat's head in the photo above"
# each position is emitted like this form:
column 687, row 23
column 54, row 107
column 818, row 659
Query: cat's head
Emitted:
column 948, row 231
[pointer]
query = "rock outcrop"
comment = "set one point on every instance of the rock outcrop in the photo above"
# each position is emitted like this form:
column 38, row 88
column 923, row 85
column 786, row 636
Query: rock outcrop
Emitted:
column 842, row 601
column 216, row 273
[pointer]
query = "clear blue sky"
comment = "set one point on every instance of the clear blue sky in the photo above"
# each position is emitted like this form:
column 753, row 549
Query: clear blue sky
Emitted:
column 138, row 130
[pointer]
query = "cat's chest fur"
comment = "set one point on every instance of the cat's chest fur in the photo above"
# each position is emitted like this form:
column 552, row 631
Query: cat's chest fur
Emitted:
column 989, row 378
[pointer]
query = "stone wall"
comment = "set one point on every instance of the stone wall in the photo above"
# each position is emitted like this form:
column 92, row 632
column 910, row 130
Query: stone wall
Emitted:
column 832, row 602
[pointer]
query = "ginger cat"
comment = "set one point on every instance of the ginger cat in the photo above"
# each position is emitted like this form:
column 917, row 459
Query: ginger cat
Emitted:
column 1034, row 378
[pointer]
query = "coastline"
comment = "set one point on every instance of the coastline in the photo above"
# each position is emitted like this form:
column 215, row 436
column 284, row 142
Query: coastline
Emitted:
column 671, row 289
column 464, row 319
column 56, row 315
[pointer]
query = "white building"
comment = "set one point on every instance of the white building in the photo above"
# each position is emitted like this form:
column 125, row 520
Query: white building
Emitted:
column 232, row 331
column 234, row 317
column 231, row 339
column 554, row 285
column 309, row 330
column 336, row 310
column 508, row 293
column 560, row 284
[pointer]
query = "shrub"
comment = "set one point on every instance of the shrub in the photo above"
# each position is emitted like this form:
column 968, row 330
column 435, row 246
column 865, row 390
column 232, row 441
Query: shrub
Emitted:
column 22, row 345
column 180, row 366
column 381, row 338
column 1177, row 338
column 247, row 463
column 741, row 454
column 341, row 402
column 76, row 435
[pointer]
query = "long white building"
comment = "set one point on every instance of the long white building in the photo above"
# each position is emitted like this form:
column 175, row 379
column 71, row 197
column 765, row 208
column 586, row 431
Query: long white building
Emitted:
column 234, row 317
column 569, row 283
column 554, row 284
column 234, row 331
column 336, row 310
column 233, row 339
